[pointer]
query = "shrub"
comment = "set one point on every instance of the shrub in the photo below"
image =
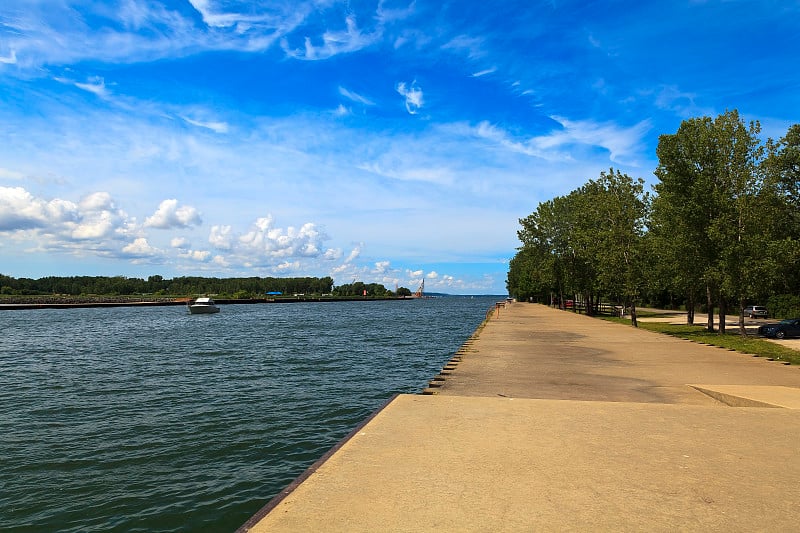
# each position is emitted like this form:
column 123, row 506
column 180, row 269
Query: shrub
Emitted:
column 784, row 306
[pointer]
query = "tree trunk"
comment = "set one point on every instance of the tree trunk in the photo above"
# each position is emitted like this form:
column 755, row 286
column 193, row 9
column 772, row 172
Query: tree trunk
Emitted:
column 690, row 309
column 723, row 304
column 634, row 322
column 710, row 304
column 742, row 330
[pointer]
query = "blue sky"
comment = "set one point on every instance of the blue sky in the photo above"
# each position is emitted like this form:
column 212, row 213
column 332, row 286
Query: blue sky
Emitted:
column 379, row 141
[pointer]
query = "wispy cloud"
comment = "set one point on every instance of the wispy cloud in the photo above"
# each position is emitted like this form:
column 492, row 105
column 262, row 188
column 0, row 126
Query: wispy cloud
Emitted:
column 472, row 47
column 403, row 172
column 10, row 59
column 485, row 72
column 355, row 97
column 215, row 126
column 624, row 144
column 413, row 96
column 95, row 85
column 333, row 43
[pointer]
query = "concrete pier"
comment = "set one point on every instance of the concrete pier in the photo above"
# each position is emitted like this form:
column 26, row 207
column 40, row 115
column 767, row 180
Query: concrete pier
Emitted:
column 551, row 421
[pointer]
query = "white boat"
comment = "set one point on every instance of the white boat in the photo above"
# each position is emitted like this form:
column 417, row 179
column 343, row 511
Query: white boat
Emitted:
column 201, row 306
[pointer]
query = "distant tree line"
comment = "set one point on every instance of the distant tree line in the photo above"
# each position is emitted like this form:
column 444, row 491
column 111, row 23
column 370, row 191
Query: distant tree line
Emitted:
column 359, row 288
column 157, row 285
column 251, row 287
column 721, row 229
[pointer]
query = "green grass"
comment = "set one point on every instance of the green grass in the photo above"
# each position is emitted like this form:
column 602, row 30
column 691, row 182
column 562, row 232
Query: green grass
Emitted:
column 731, row 340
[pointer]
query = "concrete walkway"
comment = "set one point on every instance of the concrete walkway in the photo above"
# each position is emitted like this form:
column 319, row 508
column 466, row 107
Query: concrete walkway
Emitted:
column 551, row 421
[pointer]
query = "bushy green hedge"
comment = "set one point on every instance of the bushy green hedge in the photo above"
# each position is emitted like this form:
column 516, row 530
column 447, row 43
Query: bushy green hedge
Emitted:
column 784, row 306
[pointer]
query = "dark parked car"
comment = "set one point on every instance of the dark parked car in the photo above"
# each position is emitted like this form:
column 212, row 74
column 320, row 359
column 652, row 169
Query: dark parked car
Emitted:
column 785, row 328
column 755, row 311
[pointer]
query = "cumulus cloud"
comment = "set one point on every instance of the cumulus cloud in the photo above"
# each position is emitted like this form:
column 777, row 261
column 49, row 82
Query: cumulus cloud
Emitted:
column 95, row 217
column 196, row 255
column 413, row 96
column 139, row 248
column 332, row 254
column 265, row 244
column 170, row 215
column 19, row 210
column 95, row 225
column 179, row 242
column 221, row 237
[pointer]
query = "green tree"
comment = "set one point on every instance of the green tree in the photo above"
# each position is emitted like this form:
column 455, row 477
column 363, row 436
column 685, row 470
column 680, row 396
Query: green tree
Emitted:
column 782, row 210
column 617, row 208
column 708, row 188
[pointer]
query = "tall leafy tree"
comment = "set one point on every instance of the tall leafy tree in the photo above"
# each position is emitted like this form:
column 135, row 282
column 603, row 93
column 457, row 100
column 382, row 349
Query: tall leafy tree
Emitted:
column 709, row 183
column 782, row 209
column 617, row 209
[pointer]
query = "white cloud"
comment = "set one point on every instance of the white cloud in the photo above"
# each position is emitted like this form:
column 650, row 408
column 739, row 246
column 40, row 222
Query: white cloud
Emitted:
column 432, row 275
column 349, row 40
column 413, row 96
column 217, row 127
column 10, row 59
column 139, row 248
column 169, row 215
column 355, row 97
column 19, row 210
column 472, row 47
column 396, row 170
column 485, row 72
column 332, row 254
column 221, row 237
column 266, row 245
column 94, row 223
column 95, row 85
column 354, row 253
column 287, row 266
column 179, row 242
column 54, row 33
column 623, row 143
column 196, row 255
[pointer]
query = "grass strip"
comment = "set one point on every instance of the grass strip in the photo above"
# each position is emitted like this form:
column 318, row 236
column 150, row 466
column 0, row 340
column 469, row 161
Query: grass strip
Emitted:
column 731, row 341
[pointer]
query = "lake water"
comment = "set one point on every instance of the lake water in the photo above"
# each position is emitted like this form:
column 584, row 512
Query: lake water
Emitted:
column 151, row 419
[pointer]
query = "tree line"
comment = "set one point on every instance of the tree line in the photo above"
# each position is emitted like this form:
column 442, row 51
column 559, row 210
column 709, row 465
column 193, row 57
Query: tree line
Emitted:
column 158, row 285
column 720, row 229
column 250, row 287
